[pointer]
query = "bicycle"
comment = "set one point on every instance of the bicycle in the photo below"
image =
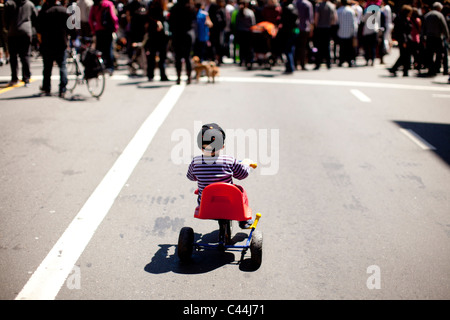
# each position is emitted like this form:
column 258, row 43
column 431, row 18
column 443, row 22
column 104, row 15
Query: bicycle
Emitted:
column 85, row 65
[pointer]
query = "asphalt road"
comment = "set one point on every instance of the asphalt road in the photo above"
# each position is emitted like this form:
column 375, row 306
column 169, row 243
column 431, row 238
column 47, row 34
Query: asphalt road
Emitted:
column 353, row 187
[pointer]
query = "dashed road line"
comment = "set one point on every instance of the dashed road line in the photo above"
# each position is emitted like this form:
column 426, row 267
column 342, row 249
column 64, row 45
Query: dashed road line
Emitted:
column 361, row 96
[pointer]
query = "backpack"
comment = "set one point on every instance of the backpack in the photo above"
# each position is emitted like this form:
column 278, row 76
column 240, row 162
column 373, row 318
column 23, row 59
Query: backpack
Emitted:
column 92, row 65
column 107, row 20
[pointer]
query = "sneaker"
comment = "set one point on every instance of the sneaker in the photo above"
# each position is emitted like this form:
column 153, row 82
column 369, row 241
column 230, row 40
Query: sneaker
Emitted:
column 245, row 224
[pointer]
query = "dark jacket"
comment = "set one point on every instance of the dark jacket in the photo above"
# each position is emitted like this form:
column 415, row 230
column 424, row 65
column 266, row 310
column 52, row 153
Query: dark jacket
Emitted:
column 182, row 19
column 289, row 17
column 52, row 25
column 434, row 25
column 402, row 29
column 20, row 16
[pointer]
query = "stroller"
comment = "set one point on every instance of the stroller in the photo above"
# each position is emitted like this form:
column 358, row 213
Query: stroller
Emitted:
column 263, row 35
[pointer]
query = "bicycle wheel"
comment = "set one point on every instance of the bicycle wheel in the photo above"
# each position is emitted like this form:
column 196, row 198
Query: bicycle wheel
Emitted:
column 96, row 85
column 73, row 73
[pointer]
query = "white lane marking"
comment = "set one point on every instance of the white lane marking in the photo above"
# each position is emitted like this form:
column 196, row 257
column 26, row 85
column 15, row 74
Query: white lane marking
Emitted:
column 417, row 139
column 47, row 280
column 436, row 95
column 361, row 96
column 337, row 83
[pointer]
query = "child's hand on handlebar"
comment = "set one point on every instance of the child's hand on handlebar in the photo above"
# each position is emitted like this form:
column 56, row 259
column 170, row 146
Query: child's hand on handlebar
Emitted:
column 249, row 163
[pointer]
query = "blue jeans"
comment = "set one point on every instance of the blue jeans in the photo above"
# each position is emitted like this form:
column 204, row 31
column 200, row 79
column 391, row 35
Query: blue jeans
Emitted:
column 289, row 49
column 60, row 59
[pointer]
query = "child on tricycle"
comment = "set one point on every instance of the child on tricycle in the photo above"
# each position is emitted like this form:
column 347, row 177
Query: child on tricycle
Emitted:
column 218, row 198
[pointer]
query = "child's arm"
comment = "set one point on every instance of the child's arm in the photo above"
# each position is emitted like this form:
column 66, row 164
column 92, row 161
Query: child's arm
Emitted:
column 240, row 170
column 190, row 173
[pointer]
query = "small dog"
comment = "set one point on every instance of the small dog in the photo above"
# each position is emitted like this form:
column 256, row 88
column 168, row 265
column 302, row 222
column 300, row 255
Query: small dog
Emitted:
column 208, row 68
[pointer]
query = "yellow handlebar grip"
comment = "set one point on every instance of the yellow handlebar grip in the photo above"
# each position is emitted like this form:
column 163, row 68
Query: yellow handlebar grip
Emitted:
column 255, row 223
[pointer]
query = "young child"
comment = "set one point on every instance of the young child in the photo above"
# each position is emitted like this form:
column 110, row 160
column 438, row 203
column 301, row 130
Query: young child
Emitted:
column 211, row 167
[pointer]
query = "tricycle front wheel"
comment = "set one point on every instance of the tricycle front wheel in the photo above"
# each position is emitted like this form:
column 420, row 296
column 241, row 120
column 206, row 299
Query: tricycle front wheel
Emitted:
column 185, row 243
column 256, row 249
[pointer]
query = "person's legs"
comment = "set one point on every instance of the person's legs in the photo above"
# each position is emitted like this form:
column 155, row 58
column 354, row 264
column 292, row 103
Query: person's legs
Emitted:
column 24, row 54
column 61, row 61
column 13, row 62
column 151, row 56
column 162, row 61
column 47, row 72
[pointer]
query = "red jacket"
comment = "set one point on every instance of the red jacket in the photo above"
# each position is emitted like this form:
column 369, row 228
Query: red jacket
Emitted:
column 95, row 16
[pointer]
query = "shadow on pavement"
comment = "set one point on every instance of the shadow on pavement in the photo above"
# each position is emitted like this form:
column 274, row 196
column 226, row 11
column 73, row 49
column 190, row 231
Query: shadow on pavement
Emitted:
column 202, row 261
column 436, row 134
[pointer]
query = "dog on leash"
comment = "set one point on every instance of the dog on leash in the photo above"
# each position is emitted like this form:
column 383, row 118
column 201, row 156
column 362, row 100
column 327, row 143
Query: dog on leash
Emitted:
column 210, row 69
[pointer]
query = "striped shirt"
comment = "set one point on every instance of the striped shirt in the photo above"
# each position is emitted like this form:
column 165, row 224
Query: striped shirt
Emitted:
column 207, row 170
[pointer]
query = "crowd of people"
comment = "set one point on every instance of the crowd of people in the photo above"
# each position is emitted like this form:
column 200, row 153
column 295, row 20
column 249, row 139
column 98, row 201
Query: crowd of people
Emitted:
column 302, row 32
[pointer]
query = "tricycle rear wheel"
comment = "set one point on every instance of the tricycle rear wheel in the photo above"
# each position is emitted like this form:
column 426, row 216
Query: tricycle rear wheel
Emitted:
column 185, row 243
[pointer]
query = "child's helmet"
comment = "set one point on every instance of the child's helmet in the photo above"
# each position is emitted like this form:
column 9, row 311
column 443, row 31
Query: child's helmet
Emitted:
column 211, row 135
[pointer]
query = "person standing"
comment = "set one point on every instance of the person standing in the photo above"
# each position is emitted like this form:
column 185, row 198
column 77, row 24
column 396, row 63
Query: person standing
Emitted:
column 388, row 25
column 135, row 13
column 157, row 38
column 4, row 54
column 20, row 16
column 104, row 22
column 402, row 33
column 182, row 25
column 85, row 7
column 305, row 26
column 347, row 30
column 52, row 31
column 286, row 33
column 204, row 24
column 216, row 11
column 245, row 19
column 324, row 17
column 434, row 30
column 371, row 26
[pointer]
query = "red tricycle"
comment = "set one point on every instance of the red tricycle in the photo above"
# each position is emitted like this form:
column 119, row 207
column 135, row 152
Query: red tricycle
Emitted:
column 223, row 202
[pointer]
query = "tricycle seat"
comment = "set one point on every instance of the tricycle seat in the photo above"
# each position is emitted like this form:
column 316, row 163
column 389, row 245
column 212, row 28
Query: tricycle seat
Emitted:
column 223, row 201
